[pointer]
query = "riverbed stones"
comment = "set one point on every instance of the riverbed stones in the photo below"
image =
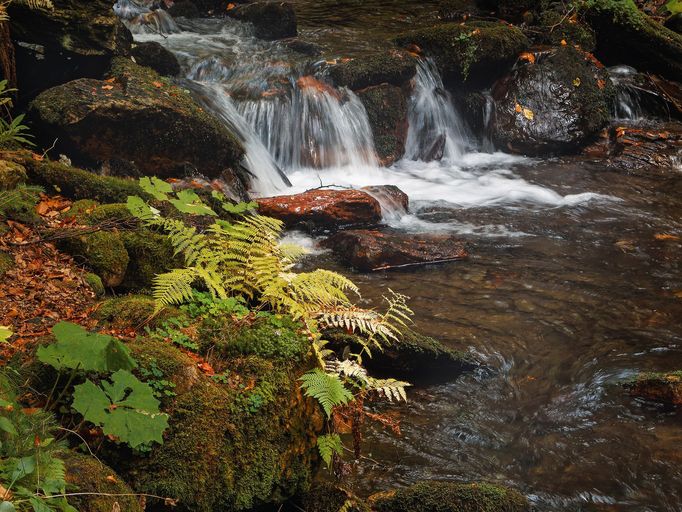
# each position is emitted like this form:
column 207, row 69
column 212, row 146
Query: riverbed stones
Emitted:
column 393, row 67
column 553, row 105
column 471, row 54
column 75, row 39
column 449, row 497
column 664, row 387
column 390, row 197
column 323, row 208
column 382, row 249
column 136, row 115
column 271, row 19
column 152, row 55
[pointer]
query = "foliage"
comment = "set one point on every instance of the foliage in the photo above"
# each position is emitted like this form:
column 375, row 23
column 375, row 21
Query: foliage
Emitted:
column 12, row 131
column 32, row 476
column 19, row 203
column 325, row 388
column 5, row 333
column 155, row 377
column 674, row 6
column 125, row 408
column 328, row 445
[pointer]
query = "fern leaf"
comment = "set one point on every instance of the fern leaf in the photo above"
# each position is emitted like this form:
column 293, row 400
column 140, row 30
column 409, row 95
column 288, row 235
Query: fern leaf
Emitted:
column 391, row 389
column 174, row 287
column 326, row 388
column 328, row 445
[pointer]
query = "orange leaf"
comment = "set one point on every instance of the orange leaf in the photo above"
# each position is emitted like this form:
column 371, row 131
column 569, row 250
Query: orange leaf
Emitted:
column 230, row 6
column 107, row 87
column 563, row 42
column 527, row 56
column 601, row 83
column 37, row 157
column 157, row 84
column 518, row 108
column 666, row 236
column 112, row 479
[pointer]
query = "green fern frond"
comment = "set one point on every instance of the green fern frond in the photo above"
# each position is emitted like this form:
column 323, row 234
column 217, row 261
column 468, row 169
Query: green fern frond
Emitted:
column 326, row 388
column 390, row 389
column 174, row 287
column 328, row 445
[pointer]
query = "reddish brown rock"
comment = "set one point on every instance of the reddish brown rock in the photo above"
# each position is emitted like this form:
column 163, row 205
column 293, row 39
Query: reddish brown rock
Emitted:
column 323, row 208
column 658, row 387
column 389, row 196
column 378, row 250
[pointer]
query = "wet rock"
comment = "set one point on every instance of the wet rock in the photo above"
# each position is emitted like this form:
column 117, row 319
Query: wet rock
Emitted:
column 450, row 497
column 327, row 497
column 390, row 196
column 271, row 19
column 74, row 40
column 303, row 47
column 184, row 9
column 636, row 147
column 674, row 23
column 152, row 55
column 456, row 10
column 413, row 356
column 658, row 387
column 473, row 53
column 394, row 67
column 323, row 209
column 376, row 250
column 386, row 107
column 98, row 488
column 512, row 10
column 642, row 42
column 136, row 116
column 554, row 105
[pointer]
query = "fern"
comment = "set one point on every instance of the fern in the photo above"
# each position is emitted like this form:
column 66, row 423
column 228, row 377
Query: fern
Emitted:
column 328, row 445
column 325, row 388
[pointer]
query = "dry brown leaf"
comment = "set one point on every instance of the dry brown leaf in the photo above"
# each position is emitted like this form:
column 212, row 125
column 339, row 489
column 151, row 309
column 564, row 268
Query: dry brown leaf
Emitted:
column 528, row 57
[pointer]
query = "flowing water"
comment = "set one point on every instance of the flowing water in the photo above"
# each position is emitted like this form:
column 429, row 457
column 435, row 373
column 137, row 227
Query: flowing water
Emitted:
column 570, row 288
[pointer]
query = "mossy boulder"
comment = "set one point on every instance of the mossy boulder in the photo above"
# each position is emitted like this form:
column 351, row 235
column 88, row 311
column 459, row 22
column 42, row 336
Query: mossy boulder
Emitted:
column 625, row 35
column 6, row 262
column 386, row 107
column 450, row 497
column 664, row 387
column 86, row 474
column 271, row 19
column 150, row 254
column 394, row 67
column 95, row 283
column 184, row 9
column 243, row 441
column 77, row 183
column 152, row 55
column 140, row 117
column 414, row 356
column 557, row 28
column 555, row 105
column 133, row 311
column 512, row 10
column 327, row 497
column 472, row 54
column 101, row 251
column 75, row 39
column 11, row 174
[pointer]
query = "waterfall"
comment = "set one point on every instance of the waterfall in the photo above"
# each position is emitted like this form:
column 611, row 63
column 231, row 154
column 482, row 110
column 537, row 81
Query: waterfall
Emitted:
column 144, row 17
column 627, row 103
column 436, row 131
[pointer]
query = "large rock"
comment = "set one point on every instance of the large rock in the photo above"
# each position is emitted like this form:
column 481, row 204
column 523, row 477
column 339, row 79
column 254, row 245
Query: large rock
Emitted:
column 152, row 55
column 271, row 19
column 75, row 39
column 450, row 497
column 554, row 105
column 136, row 116
column 323, row 209
column 394, row 67
column 472, row 53
column 376, row 250
column 386, row 107
column 658, row 387
column 641, row 42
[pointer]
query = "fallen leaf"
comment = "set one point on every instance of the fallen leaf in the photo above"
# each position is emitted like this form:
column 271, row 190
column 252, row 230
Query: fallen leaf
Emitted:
column 157, row 84
column 563, row 42
column 518, row 108
column 601, row 83
column 528, row 57
column 576, row 82
column 230, row 6
column 112, row 479
column 666, row 236
column 107, row 87
column 37, row 157
column 528, row 114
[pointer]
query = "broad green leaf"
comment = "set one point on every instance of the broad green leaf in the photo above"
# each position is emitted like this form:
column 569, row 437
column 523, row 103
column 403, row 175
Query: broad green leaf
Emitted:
column 139, row 209
column 7, row 426
column 7, row 506
column 155, row 187
column 674, row 6
column 77, row 348
column 125, row 408
column 23, row 466
column 329, row 444
column 189, row 202
column 239, row 208
column 5, row 333
column 39, row 505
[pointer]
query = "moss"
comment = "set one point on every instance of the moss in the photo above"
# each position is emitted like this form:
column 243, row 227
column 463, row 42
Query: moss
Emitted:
column 221, row 455
column 270, row 337
column 473, row 53
column 85, row 474
column 559, row 28
column 81, row 184
column 95, row 283
column 80, row 209
column 327, row 497
column 386, row 107
column 450, row 497
column 393, row 67
column 150, row 254
column 664, row 387
column 115, row 213
column 102, row 251
column 11, row 174
column 133, row 311
column 6, row 262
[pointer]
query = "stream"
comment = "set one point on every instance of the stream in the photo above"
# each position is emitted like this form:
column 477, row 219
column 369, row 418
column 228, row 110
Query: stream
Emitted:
column 569, row 290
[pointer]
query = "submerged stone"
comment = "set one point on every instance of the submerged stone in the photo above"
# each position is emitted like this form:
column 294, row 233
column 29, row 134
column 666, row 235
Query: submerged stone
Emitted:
column 394, row 67
column 152, row 55
column 271, row 19
column 658, row 387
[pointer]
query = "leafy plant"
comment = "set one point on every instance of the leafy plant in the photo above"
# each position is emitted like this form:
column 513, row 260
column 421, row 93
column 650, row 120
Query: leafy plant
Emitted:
column 11, row 130
column 125, row 408
column 5, row 334
column 674, row 6
column 19, row 202
column 325, row 388
column 328, row 445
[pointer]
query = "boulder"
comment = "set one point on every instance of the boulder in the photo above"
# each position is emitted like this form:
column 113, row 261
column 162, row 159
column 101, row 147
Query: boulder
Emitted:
column 377, row 250
column 137, row 116
column 658, row 387
column 472, row 54
column 413, row 356
column 323, row 209
column 557, row 28
column 386, row 107
column 390, row 197
column 553, row 105
column 102, row 251
column 450, row 497
column 74, row 40
column 393, row 67
column 641, row 42
column 152, row 55
column 271, row 19
column 512, row 10
column 184, row 9
column 327, row 497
